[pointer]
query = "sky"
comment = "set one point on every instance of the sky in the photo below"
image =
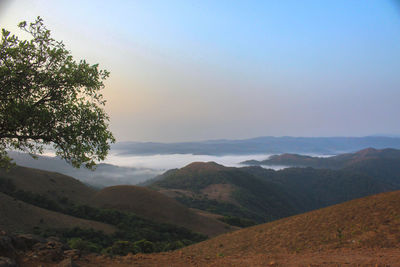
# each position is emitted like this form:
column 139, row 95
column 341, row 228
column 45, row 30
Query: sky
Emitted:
column 198, row 70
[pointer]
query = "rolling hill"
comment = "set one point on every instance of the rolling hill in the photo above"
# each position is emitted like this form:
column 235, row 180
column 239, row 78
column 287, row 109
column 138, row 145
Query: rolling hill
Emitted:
column 369, row 222
column 361, row 232
column 308, row 188
column 158, row 207
column 139, row 200
column 18, row 216
column 225, row 190
column 263, row 195
column 335, row 162
column 47, row 203
column 50, row 184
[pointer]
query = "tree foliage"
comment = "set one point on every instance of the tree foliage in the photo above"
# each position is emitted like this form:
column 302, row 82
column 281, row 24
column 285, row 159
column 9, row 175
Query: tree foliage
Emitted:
column 48, row 98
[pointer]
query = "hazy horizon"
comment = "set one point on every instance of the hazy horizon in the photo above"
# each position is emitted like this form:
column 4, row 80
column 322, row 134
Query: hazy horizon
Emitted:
column 255, row 137
column 192, row 71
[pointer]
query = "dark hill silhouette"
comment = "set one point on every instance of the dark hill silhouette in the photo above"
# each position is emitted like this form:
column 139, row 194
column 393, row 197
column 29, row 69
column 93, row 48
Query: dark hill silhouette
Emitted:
column 308, row 188
column 263, row 194
column 335, row 162
column 260, row 145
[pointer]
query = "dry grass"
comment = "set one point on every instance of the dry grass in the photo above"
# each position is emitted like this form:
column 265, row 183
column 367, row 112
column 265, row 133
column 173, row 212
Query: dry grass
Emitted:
column 158, row 207
column 362, row 232
column 51, row 184
column 371, row 222
column 18, row 216
column 221, row 193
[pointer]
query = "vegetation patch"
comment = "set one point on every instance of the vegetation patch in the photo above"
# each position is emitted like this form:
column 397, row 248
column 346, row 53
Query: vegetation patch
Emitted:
column 142, row 235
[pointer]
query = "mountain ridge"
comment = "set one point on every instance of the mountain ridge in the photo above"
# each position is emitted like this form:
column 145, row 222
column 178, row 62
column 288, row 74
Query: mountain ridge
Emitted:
column 259, row 145
column 254, row 192
column 333, row 162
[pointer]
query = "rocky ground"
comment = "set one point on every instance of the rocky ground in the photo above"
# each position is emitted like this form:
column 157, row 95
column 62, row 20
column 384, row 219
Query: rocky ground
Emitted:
column 31, row 250
column 27, row 250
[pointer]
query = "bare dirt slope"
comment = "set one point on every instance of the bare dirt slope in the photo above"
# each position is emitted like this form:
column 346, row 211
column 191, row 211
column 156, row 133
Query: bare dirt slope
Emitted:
column 156, row 206
column 371, row 222
column 328, row 258
column 365, row 231
column 18, row 216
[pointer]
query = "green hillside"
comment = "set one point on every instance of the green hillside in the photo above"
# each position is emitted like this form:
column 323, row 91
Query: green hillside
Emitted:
column 157, row 207
column 308, row 189
column 263, row 195
column 50, row 184
column 51, row 204
column 334, row 162
column 244, row 194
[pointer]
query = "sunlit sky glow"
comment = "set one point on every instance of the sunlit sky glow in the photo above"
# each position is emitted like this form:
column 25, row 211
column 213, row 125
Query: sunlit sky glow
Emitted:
column 195, row 70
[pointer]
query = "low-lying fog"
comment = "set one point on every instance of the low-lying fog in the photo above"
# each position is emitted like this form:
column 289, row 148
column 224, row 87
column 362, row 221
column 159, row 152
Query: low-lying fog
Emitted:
column 130, row 169
column 172, row 161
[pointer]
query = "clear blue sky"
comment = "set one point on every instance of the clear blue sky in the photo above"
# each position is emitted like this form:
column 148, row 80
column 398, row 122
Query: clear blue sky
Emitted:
column 192, row 70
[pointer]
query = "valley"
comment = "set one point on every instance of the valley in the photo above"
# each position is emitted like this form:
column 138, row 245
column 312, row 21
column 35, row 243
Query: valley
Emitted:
column 206, row 200
column 199, row 133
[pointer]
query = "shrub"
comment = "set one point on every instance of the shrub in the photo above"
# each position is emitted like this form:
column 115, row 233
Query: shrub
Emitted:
column 145, row 246
column 83, row 245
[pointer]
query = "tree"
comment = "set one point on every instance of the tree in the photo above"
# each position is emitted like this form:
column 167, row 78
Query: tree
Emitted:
column 48, row 98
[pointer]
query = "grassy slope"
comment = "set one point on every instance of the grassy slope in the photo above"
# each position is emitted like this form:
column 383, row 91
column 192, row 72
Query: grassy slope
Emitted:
column 264, row 195
column 50, row 184
column 19, row 216
column 370, row 222
column 335, row 162
column 142, row 201
column 361, row 232
column 158, row 207
column 252, row 198
column 308, row 188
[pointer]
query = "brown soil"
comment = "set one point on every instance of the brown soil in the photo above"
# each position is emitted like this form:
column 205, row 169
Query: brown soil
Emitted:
column 364, row 231
column 173, row 193
column 371, row 222
column 220, row 192
column 207, row 214
column 329, row 258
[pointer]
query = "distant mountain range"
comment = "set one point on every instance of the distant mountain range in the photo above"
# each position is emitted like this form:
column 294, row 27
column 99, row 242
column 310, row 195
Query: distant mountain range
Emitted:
column 333, row 162
column 260, row 145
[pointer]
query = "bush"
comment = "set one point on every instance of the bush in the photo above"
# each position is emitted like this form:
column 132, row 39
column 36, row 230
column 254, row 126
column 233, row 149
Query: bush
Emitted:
column 149, row 236
column 6, row 185
column 122, row 248
column 236, row 221
column 83, row 245
column 145, row 246
column 174, row 245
